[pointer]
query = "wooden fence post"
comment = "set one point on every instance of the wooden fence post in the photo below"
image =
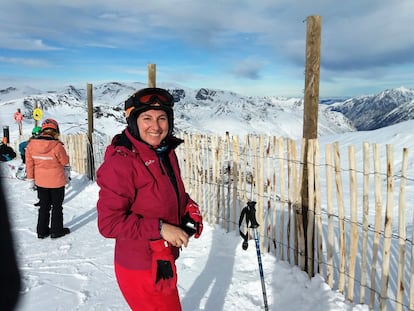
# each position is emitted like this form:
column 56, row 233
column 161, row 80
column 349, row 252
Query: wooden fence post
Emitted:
column 91, row 166
column 353, row 247
column 341, row 215
column 378, row 220
column 365, row 223
column 389, row 210
column 36, row 105
column 401, row 232
column 151, row 75
column 90, row 110
column 330, row 204
column 310, row 115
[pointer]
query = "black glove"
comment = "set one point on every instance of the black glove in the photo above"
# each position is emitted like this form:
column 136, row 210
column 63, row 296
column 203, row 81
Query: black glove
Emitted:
column 164, row 270
column 163, row 266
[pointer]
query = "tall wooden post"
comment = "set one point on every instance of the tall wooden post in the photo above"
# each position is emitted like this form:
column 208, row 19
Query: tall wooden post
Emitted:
column 91, row 160
column 89, row 91
column 151, row 75
column 36, row 105
column 310, row 116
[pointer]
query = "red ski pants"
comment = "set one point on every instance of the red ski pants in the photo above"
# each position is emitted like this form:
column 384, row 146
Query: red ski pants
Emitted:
column 138, row 290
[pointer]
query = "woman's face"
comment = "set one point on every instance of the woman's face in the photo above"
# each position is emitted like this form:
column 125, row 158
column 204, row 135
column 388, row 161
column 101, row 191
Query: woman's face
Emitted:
column 153, row 126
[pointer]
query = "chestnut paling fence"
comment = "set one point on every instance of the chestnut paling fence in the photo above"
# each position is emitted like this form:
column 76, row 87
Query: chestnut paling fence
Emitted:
column 359, row 235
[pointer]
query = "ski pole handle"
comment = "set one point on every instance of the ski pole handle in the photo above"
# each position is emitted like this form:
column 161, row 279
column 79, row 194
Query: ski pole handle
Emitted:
column 251, row 214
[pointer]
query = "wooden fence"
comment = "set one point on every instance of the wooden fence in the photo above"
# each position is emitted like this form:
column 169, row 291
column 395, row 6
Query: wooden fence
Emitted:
column 361, row 246
column 361, row 232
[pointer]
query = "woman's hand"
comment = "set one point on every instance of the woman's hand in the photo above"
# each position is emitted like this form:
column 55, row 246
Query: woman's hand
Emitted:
column 174, row 235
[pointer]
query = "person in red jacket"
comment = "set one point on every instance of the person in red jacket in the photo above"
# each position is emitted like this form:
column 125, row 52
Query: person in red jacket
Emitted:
column 143, row 204
column 18, row 117
column 47, row 166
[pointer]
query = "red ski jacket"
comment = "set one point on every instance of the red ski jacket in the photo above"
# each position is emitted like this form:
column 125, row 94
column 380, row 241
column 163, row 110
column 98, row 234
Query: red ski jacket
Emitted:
column 135, row 193
column 18, row 116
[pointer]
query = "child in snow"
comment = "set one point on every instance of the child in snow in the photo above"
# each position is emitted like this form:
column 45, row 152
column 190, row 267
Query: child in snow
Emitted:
column 22, row 146
column 46, row 159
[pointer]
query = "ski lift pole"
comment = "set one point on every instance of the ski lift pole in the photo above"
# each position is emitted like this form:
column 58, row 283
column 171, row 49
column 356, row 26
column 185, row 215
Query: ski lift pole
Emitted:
column 250, row 213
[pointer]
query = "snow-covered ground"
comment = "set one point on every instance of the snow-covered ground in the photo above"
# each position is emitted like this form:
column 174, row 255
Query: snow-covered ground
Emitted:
column 76, row 272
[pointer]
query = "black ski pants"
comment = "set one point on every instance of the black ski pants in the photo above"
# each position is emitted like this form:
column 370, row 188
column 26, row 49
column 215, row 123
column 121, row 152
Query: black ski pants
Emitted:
column 51, row 200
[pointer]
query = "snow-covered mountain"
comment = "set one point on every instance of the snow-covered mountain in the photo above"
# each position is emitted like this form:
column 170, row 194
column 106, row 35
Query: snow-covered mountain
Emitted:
column 196, row 110
column 216, row 111
column 376, row 111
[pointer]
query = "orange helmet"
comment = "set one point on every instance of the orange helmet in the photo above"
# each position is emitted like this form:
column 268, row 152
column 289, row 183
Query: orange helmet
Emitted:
column 50, row 124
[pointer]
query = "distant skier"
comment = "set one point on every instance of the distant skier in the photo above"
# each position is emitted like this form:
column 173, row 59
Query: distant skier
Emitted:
column 18, row 117
column 46, row 159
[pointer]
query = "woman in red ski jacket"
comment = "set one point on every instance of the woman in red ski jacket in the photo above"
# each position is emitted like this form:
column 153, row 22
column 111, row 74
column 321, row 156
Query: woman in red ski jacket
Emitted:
column 143, row 204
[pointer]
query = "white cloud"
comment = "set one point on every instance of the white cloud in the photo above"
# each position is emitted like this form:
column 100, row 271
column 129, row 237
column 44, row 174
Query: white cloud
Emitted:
column 32, row 62
column 357, row 36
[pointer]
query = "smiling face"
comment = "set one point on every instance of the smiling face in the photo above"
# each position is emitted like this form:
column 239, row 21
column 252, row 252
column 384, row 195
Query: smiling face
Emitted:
column 153, row 126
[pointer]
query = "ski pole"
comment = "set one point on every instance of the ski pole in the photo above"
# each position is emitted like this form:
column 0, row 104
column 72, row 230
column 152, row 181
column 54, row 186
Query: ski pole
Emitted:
column 250, row 213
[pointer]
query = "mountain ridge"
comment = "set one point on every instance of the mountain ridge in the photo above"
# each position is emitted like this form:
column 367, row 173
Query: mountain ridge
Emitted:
column 229, row 111
column 372, row 112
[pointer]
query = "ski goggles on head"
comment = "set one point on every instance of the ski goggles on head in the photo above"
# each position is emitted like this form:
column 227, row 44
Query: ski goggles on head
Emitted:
column 152, row 99
column 149, row 97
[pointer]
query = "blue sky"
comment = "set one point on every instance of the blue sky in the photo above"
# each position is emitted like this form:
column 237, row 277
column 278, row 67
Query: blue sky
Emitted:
column 254, row 47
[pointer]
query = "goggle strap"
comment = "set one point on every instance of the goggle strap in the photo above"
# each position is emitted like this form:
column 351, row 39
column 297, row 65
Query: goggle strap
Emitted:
column 128, row 111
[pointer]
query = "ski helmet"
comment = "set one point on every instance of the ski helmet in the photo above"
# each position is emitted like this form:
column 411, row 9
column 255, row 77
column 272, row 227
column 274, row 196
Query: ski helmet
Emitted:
column 36, row 131
column 50, row 124
column 151, row 98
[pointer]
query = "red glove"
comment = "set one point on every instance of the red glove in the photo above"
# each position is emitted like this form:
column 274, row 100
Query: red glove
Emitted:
column 192, row 221
column 163, row 266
